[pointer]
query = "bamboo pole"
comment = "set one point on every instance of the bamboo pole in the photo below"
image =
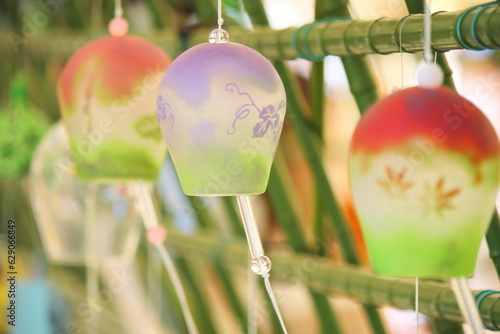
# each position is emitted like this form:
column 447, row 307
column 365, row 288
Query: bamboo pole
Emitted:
column 350, row 38
column 339, row 38
column 325, row 277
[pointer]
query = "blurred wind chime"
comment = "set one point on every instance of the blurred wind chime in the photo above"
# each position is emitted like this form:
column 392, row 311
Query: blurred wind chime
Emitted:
column 221, row 108
column 107, row 95
column 424, row 172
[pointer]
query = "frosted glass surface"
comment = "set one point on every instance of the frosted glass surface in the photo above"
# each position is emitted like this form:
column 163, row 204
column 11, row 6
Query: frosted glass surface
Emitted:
column 424, row 171
column 80, row 223
column 107, row 97
column 221, row 109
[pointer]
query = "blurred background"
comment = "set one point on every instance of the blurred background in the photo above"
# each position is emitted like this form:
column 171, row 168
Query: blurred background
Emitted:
column 129, row 292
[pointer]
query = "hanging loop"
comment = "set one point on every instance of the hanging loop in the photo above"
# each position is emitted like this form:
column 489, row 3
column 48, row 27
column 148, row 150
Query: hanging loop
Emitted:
column 458, row 26
column 479, row 297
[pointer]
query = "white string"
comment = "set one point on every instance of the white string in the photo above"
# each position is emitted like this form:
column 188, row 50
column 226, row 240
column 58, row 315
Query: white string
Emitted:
column 467, row 304
column 270, row 292
column 417, row 316
column 118, row 9
column 427, row 32
column 401, row 52
column 176, row 282
column 151, row 221
column 257, row 251
column 220, row 20
column 252, row 302
column 92, row 272
column 265, row 275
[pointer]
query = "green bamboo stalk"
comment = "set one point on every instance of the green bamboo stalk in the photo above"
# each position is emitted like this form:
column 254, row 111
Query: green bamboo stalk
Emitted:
column 364, row 91
column 317, row 78
column 171, row 313
column 201, row 215
column 445, row 326
column 201, row 308
column 205, row 220
column 158, row 9
column 493, row 240
column 317, row 102
column 295, row 114
column 206, row 12
column 290, row 225
column 232, row 296
column 325, row 277
column 328, row 199
column 234, row 216
column 278, row 193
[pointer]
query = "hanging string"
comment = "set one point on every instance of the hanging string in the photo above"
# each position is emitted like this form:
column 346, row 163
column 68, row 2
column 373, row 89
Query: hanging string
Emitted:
column 91, row 256
column 430, row 75
column 417, row 314
column 270, row 292
column 467, row 304
column 118, row 9
column 252, row 302
column 156, row 236
column 401, row 50
column 264, row 272
column 427, row 32
column 261, row 264
column 220, row 20
column 118, row 26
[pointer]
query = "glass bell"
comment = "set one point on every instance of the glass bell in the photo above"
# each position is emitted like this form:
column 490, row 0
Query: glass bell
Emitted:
column 221, row 108
column 424, row 172
column 107, row 97
column 80, row 223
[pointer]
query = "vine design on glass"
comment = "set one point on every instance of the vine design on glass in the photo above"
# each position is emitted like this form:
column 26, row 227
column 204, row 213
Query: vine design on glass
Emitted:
column 164, row 112
column 270, row 116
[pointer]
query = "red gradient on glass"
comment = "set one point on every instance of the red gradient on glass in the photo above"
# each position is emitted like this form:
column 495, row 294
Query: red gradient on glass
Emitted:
column 111, row 67
column 442, row 115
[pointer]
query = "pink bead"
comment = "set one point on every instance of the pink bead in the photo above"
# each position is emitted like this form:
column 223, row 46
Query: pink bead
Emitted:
column 118, row 27
column 156, row 235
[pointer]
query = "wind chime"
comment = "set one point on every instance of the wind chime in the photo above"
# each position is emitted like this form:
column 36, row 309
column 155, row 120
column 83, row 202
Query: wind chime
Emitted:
column 68, row 220
column 424, row 172
column 107, row 96
column 221, row 108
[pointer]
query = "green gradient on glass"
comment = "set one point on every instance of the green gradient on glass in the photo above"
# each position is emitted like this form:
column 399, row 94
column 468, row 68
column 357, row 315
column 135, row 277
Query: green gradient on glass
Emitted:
column 223, row 171
column 409, row 253
column 115, row 159
column 436, row 221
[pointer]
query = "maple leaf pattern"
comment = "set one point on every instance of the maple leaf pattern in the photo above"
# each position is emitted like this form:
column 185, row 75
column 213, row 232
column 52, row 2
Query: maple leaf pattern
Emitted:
column 436, row 199
column 394, row 184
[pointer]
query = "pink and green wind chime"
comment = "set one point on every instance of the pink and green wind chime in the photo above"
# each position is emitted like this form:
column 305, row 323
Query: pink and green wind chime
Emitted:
column 107, row 95
column 221, row 108
column 424, row 171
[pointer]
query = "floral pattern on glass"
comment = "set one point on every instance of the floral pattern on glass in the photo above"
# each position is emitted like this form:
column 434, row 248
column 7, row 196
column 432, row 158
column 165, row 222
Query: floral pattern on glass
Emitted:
column 436, row 199
column 433, row 199
column 270, row 116
column 164, row 112
column 394, row 183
